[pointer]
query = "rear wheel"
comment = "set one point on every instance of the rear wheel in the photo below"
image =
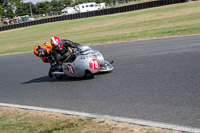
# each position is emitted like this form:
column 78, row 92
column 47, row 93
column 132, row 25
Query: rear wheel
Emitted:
column 88, row 75
column 59, row 77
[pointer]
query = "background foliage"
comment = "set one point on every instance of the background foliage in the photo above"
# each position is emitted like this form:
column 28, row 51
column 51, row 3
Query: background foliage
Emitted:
column 11, row 8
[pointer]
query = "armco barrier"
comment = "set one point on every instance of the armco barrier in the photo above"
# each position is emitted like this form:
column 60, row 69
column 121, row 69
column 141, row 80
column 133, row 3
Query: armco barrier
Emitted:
column 95, row 13
column 11, row 26
column 8, row 27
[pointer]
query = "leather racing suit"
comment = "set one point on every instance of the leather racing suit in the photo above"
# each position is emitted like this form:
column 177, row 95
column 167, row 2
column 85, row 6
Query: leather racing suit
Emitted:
column 61, row 55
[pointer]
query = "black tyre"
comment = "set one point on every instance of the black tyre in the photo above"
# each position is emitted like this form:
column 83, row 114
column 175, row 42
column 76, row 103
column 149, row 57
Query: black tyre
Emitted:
column 88, row 75
column 59, row 77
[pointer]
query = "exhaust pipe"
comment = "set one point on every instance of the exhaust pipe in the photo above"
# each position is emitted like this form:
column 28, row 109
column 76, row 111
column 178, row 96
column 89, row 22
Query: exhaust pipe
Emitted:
column 57, row 73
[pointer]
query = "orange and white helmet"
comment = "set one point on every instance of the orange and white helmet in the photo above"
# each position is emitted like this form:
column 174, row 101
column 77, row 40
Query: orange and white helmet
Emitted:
column 56, row 42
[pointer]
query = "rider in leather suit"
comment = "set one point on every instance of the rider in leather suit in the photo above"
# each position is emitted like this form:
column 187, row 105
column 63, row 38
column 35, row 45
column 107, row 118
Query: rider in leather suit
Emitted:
column 61, row 50
column 44, row 52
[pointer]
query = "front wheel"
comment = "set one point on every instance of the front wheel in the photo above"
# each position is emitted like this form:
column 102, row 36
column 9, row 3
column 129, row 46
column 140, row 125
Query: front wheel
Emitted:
column 88, row 75
column 59, row 77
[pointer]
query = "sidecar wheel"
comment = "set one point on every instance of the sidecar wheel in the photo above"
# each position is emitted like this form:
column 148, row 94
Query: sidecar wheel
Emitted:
column 88, row 75
column 59, row 77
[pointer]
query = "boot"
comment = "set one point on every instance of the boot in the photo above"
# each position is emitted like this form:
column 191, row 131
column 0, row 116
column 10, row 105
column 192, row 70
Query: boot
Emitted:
column 50, row 74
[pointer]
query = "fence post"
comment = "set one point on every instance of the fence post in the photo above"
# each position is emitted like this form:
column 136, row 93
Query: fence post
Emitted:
column 1, row 28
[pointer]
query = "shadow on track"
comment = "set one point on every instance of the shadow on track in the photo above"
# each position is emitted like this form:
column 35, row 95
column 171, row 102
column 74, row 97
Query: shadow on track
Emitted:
column 65, row 79
column 38, row 80
column 47, row 79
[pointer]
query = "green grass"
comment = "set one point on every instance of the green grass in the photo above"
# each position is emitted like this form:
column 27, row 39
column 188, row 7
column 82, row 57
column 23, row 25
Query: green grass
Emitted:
column 14, row 120
column 171, row 20
column 15, row 124
column 25, row 124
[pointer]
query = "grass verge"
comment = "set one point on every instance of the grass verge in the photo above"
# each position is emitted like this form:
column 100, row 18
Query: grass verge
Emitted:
column 171, row 20
column 14, row 120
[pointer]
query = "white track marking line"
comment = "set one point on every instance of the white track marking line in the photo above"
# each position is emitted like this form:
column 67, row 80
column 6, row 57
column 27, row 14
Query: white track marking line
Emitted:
column 119, row 119
column 157, row 38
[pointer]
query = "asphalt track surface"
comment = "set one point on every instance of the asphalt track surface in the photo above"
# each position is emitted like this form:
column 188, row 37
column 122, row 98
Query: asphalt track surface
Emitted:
column 156, row 80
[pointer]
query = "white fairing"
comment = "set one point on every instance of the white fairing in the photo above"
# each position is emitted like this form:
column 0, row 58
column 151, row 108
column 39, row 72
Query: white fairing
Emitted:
column 87, row 59
column 84, row 47
column 106, row 67
column 79, row 66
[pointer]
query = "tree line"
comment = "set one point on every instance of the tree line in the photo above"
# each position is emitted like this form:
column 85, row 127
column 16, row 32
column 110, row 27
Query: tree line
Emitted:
column 11, row 8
